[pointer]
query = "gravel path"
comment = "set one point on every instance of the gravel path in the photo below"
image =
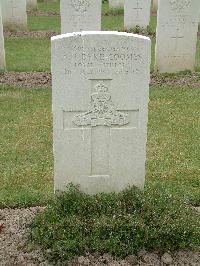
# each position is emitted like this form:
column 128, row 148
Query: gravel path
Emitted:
column 14, row 228
column 43, row 79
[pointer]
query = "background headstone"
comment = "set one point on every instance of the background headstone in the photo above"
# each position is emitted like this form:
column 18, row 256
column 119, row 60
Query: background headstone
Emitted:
column 80, row 15
column 31, row 5
column 2, row 50
column 176, row 35
column 114, row 4
column 14, row 14
column 137, row 13
column 100, row 110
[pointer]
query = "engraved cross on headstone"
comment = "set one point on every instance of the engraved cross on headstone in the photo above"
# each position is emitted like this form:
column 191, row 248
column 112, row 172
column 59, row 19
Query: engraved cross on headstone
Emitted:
column 137, row 8
column 14, row 7
column 100, row 118
column 177, row 38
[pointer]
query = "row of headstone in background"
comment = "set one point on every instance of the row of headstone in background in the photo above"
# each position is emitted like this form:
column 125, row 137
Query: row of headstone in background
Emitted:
column 14, row 14
column 2, row 49
column 176, row 35
column 86, row 15
column 137, row 13
column 100, row 110
column 177, row 25
column 80, row 15
column 115, row 4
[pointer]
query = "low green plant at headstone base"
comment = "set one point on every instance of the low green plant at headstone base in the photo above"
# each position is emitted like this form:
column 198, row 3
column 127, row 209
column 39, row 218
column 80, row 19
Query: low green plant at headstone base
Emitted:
column 119, row 224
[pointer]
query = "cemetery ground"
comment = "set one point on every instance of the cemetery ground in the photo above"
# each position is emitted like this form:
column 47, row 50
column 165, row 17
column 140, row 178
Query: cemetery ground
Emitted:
column 171, row 198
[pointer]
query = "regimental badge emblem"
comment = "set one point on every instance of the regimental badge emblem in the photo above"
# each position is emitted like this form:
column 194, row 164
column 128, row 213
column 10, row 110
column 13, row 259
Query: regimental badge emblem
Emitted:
column 180, row 4
column 80, row 5
column 102, row 111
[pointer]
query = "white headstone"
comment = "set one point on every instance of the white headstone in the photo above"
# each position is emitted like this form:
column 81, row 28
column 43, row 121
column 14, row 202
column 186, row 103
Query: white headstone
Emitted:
column 31, row 4
column 100, row 110
column 2, row 50
column 114, row 4
column 137, row 13
column 14, row 14
column 79, row 15
column 177, row 27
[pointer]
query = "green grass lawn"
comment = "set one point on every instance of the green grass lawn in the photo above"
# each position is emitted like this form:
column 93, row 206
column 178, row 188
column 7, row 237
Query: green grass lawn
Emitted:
column 44, row 23
column 110, row 21
column 48, row 7
column 26, row 144
column 26, row 126
column 21, row 51
column 25, row 54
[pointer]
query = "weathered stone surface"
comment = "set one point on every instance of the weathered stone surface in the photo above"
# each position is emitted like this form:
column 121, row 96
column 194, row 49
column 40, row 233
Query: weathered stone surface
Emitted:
column 79, row 15
column 114, row 4
column 31, row 4
column 14, row 14
column 100, row 106
column 137, row 13
column 2, row 50
column 176, row 35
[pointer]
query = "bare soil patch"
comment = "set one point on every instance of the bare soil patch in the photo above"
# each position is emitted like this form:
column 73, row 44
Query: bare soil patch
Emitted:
column 191, row 80
column 40, row 13
column 15, row 228
column 31, row 34
column 26, row 79
column 43, row 79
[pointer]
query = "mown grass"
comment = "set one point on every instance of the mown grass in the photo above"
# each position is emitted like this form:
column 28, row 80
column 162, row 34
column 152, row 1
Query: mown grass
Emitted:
column 27, row 54
column 44, row 23
column 21, row 51
column 26, row 144
column 161, row 219
column 173, row 143
column 48, row 6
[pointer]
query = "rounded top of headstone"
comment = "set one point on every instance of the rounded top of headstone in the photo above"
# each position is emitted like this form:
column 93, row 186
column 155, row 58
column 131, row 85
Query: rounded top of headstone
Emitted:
column 102, row 33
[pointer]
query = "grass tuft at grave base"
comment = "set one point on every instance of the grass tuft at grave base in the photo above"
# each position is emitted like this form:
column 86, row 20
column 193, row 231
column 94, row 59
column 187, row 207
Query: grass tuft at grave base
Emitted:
column 120, row 224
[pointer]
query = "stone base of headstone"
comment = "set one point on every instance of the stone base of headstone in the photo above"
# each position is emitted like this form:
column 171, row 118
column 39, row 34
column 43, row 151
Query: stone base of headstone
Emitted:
column 116, row 4
column 9, row 26
column 14, row 15
column 31, row 5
